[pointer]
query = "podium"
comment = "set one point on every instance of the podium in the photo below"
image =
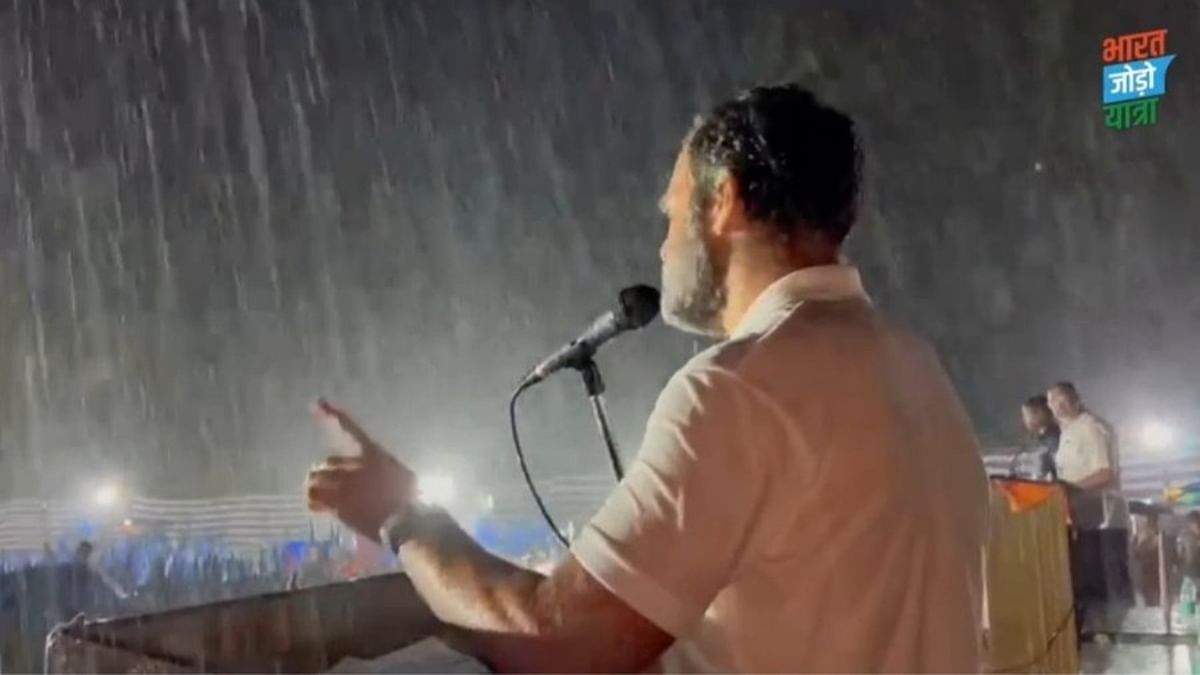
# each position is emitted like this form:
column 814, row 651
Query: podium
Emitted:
column 307, row 630
column 1029, row 600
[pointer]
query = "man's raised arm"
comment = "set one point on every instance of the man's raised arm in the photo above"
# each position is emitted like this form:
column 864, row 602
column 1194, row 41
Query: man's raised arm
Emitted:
column 511, row 618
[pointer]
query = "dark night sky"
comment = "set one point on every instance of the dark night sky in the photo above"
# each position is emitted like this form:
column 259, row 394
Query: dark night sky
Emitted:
column 215, row 211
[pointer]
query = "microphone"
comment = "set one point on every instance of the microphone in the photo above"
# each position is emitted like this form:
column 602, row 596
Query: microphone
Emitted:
column 636, row 307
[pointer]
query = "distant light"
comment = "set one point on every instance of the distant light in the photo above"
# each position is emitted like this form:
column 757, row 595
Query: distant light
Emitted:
column 489, row 503
column 1156, row 435
column 1039, row 167
column 436, row 489
column 127, row 522
column 107, row 495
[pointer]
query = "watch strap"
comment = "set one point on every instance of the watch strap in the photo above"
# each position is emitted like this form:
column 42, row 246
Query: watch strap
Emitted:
column 398, row 528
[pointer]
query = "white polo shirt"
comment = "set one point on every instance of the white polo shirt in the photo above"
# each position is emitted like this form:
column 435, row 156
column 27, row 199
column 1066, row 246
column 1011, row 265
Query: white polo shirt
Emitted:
column 809, row 496
column 1087, row 445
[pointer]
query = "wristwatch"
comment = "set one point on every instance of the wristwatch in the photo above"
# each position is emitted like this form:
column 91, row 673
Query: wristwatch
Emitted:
column 402, row 526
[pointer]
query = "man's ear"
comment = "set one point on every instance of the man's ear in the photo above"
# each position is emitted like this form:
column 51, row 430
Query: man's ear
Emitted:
column 725, row 208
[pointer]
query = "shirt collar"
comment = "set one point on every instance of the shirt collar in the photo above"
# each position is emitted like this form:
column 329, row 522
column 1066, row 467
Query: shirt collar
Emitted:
column 825, row 283
column 1077, row 420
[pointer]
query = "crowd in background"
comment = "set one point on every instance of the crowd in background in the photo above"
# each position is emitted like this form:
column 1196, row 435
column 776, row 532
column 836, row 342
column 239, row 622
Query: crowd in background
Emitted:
column 148, row 573
column 151, row 574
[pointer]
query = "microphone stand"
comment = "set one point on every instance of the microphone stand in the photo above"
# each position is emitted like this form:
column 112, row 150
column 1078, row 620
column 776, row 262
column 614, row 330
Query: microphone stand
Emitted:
column 593, row 384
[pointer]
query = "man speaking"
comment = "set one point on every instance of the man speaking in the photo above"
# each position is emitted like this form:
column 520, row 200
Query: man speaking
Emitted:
column 808, row 495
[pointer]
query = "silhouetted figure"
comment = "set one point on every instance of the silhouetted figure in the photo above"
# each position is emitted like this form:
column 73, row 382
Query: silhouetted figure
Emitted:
column 1042, row 440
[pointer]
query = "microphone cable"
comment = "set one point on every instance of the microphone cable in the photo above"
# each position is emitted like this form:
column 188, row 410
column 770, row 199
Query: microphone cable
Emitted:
column 537, row 498
column 1044, row 651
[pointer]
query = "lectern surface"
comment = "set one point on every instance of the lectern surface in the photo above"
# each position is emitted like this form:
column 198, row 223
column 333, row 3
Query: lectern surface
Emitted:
column 309, row 630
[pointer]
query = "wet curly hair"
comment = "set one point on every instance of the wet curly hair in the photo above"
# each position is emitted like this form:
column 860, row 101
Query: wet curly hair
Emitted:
column 796, row 161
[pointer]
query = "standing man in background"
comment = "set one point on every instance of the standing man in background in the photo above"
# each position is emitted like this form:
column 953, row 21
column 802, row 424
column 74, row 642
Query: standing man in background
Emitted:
column 813, row 419
column 1042, row 440
column 1088, row 460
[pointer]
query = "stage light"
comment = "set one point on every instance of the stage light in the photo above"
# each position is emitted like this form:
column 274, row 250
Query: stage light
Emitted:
column 436, row 489
column 107, row 495
column 1156, row 435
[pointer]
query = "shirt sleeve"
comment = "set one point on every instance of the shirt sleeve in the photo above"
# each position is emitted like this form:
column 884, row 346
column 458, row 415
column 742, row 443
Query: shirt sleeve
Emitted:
column 670, row 536
column 1093, row 450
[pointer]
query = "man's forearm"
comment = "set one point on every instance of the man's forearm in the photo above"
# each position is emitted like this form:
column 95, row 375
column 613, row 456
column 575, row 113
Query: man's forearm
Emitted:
column 465, row 585
column 516, row 620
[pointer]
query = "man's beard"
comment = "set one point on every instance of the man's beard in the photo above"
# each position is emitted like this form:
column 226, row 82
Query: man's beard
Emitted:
column 693, row 290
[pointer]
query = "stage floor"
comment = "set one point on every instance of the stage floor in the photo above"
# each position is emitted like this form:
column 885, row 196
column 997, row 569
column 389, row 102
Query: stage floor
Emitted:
column 1137, row 641
column 1125, row 658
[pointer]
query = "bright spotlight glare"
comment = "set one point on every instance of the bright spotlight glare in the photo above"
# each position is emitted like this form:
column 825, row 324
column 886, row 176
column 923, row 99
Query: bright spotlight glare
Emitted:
column 436, row 489
column 107, row 495
column 1157, row 435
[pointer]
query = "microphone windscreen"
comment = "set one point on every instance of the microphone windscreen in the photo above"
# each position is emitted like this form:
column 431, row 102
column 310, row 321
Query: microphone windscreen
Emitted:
column 639, row 305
